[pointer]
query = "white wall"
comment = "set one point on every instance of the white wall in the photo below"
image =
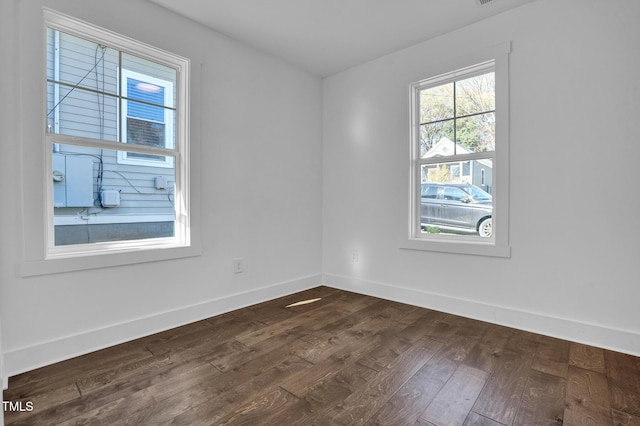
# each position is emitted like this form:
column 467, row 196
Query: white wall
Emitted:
column 314, row 170
column 574, row 87
column 8, row 115
column 256, row 157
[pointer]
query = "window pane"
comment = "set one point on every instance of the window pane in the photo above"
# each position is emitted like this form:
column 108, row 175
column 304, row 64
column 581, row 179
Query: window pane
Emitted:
column 83, row 92
column 476, row 133
column 157, row 75
column 98, row 200
column 151, row 96
column 436, row 103
column 82, row 113
column 434, row 137
column 474, row 172
column 148, row 125
column 476, row 95
column 148, row 133
column 145, row 132
column 74, row 61
column 454, row 204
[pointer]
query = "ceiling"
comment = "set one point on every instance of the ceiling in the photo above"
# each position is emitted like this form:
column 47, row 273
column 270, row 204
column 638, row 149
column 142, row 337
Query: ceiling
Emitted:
column 328, row 36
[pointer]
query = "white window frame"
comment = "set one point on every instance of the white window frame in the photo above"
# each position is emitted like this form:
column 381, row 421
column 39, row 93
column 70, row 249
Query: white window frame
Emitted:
column 498, row 244
column 123, row 157
column 179, row 153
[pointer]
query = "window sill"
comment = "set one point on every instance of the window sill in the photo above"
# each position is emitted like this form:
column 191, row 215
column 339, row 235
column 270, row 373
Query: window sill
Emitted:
column 80, row 263
column 458, row 247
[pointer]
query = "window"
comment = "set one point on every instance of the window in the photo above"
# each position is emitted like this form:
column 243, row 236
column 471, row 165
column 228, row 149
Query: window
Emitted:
column 116, row 142
column 145, row 120
column 459, row 159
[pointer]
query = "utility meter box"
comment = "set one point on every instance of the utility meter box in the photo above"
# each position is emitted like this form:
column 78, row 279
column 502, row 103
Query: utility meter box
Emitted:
column 72, row 181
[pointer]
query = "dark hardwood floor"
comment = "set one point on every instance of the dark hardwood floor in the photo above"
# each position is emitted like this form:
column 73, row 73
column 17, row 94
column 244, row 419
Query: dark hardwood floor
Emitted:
column 345, row 359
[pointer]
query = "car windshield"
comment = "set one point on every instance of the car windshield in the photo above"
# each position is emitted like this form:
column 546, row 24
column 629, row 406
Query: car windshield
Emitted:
column 478, row 194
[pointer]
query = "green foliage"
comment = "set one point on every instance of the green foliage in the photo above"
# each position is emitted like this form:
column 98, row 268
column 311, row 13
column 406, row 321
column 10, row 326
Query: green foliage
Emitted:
column 431, row 229
column 461, row 111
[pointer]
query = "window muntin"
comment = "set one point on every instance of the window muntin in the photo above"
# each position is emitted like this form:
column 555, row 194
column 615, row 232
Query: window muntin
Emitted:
column 462, row 111
column 105, row 90
column 88, row 90
column 454, row 143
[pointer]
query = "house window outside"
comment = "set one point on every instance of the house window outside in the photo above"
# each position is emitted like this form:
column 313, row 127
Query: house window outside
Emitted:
column 117, row 140
column 459, row 169
column 145, row 119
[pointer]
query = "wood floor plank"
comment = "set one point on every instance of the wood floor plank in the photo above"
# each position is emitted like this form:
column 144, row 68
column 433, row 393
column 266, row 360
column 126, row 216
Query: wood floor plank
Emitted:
column 409, row 402
column 587, row 399
column 624, row 382
column 233, row 354
column 298, row 384
column 438, row 328
column 217, row 402
column 172, row 339
column 109, row 402
column 323, row 396
column 310, row 320
column 588, row 387
column 624, row 419
column 475, row 419
column 452, row 404
column 468, row 327
column 255, row 366
column 456, row 348
column 69, row 371
column 487, row 351
column 374, row 321
column 625, row 398
column 391, row 346
column 543, row 400
column 587, row 357
column 501, row 396
column 259, row 410
column 358, row 407
column 523, row 342
column 133, row 371
column 351, row 324
column 111, row 412
column 552, row 357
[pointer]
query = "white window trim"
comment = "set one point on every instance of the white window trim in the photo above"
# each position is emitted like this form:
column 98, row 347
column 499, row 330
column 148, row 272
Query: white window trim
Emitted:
column 67, row 258
column 498, row 244
column 122, row 156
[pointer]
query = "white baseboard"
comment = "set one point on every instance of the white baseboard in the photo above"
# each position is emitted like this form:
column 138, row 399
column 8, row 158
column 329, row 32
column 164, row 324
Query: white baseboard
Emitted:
column 618, row 340
column 31, row 357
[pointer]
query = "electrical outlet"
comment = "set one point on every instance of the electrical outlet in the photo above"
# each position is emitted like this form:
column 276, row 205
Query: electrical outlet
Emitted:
column 238, row 265
column 354, row 256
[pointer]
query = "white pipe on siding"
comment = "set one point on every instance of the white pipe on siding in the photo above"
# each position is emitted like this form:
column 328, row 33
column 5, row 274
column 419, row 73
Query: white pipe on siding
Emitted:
column 56, row 88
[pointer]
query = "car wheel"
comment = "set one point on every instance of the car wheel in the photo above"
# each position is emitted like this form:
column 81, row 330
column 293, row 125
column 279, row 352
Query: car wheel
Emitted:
column 485, row 229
